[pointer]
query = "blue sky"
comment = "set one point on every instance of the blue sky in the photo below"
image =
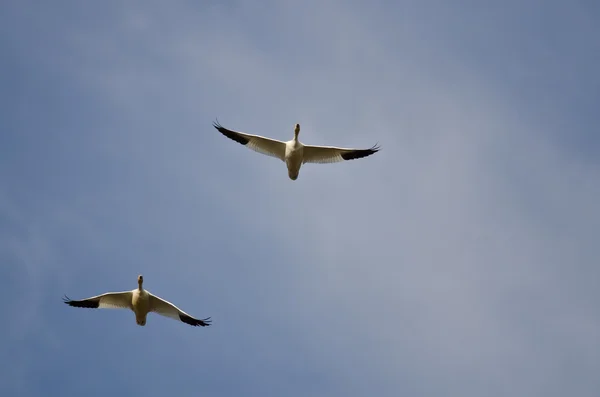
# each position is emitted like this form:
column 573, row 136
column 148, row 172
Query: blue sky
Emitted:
column 461, row 260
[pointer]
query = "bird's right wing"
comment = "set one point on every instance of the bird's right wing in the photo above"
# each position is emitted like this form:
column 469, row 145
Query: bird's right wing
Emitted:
column 167, row 309
column 260, row 144
column 110, row 300
column 331, row 154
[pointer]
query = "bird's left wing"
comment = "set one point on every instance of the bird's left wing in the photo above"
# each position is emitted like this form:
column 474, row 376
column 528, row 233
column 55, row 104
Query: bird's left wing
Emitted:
column 260, row 144
column 330, row 154
column 110, row 300
column 167, row 309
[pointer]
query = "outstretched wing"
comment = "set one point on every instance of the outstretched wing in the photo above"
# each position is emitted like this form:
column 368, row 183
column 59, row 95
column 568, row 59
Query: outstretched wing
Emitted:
column 110, row 300
column 260, row 144
column 168, row 309
column 330, row 154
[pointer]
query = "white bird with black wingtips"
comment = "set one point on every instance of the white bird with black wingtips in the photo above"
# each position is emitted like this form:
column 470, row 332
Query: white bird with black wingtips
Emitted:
column 141, row 302
column 293, row 152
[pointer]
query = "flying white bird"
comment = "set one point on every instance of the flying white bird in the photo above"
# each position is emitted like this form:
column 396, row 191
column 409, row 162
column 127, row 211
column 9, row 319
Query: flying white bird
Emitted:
column 293, row 152
column 141, row 302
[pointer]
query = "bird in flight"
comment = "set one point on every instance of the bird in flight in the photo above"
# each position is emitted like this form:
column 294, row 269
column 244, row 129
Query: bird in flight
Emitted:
column 141, row 302
column 293, row 152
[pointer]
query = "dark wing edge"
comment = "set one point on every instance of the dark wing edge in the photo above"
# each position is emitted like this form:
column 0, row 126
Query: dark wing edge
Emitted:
column 360, row 153
column 230, row 134
column 89, row 304
column 194, row 321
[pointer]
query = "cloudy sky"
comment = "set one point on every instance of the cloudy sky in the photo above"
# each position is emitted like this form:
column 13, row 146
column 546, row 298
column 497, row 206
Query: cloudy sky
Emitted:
column 461, row 260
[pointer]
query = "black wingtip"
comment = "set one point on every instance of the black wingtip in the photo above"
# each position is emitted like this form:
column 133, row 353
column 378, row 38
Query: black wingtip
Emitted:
column 230, row 134
column 89, row 304
column 360, row 153
column 205, row 322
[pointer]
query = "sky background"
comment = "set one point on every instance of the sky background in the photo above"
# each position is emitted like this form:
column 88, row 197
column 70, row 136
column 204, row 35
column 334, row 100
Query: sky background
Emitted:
column 461, row 260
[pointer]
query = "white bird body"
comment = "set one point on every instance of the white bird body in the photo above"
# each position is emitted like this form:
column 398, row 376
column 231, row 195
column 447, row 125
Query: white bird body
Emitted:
column 141, row 302
column 294, row 153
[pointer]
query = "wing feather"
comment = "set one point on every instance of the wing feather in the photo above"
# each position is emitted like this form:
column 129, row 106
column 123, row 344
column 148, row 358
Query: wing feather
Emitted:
column 167, row 309
column 110, row 300
column 331, row 154
column 260, row 144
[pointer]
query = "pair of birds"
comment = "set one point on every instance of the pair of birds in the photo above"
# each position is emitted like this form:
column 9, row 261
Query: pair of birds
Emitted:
column 292, row 152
